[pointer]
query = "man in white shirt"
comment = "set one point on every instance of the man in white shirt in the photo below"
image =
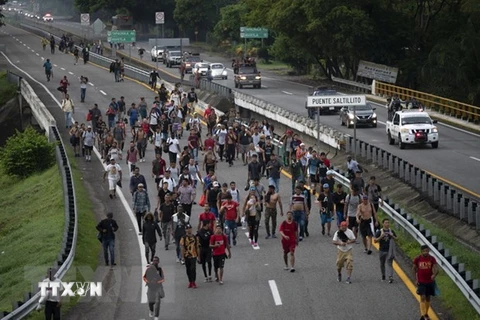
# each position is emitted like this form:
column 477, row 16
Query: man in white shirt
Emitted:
column 51, row 299
column 173, row 148
column 114, row 173
column 343, row 239
column 221, row 135
column 88, row 142
column 172, row 184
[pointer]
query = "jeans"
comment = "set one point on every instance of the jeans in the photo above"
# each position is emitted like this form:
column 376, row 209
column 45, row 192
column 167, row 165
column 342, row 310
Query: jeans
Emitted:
column 187, row 208
column 141, row 147
column 231, row 227
column 191, row 266
column 111, row 123
column 299, row 218
column 195, row 154
column 117, row 75
column 150, row 247
column 68, row 119
column 221, row 151
column 166, row 227
column 154, row 301
column 340, row 217
column 214, row 209
column 178, row 249
column 230, row 153
column 389, row 262
column 270, row 213
column 275, row 182
column 83, row 92
column 253, row 228
column 109, row 246
column 52, row 310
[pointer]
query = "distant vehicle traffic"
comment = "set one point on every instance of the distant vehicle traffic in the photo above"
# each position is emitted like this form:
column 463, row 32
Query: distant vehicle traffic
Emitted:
column 201, row 69
column 48, row 18
column 157, row 53
column 174, row 58
column 247, row 75
column 365, row 116
column 166, row 50
column 412, row 127
column 189, row 61
column 218, row 71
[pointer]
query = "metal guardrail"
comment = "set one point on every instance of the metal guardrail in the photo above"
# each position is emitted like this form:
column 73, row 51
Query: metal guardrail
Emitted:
column 67, row 252
column 443, row 105
column 455, row 270
column 353, row 85
column 448, row 197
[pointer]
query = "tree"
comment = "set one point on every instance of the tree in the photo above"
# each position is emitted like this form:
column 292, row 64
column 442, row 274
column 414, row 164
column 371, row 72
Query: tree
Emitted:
column 26, row 153
column 2, row 2
column 194, row 15
column 231, row 18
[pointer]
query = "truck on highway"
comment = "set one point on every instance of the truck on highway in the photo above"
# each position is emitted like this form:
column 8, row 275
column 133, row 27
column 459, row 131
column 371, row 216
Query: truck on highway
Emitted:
column 412, row 127
column 247, row 75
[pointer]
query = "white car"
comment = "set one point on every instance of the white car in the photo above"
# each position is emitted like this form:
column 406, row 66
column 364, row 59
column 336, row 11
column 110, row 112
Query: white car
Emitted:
column 218, row 71
column 157, row 53
column 201, row 68
column 412, row 127
column 48, row 18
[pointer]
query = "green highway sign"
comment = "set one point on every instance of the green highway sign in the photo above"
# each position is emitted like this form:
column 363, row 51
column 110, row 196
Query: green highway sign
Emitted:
column 120, row 36
column 253, row 33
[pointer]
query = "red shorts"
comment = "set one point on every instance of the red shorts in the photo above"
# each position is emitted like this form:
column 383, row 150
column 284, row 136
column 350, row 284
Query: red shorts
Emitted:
column 289, row 246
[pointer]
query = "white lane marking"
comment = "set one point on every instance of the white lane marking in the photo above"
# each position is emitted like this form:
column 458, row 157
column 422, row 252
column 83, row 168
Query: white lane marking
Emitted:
column 275, row 293
column 24, row 45
column 38, row 55
column 458, row 129
column 70, row 72
column 91, row 84
column 286, row 92
column 384, row 123
column 62, row 68
column 55, row 65
column 265, row 87
column 103, row 92
column 475, row 158
column 43, row 58
column 118, row 190
column 248, row 238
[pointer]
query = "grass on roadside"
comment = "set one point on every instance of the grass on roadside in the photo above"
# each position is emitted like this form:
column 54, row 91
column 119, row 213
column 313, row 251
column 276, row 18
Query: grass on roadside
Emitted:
column 8, row 90
column 451, row 297
column 88, row 247
column 31, row 229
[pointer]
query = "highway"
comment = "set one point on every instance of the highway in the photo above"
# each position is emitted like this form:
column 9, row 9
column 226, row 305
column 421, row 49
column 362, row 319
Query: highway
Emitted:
column 310, row 293
column 457, row 156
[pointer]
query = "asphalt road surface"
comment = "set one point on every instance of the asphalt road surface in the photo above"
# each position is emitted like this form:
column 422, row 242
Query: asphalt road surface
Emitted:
column 310, row 293
column 457, row 156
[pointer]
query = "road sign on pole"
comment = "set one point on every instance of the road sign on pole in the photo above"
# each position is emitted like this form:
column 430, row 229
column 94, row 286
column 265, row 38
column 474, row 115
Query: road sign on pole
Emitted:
column 85, row 19
column 159, row 17
column 253, row 33
column 336, row 101
column 121, row 36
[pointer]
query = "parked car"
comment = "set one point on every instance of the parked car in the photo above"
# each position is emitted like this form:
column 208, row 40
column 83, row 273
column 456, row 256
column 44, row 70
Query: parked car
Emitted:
column 365, row 115
column 218, row 71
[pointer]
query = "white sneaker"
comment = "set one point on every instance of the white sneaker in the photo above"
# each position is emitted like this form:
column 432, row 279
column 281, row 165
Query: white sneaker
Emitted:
column 150, row 313
column 178, row 260
column 156, row 318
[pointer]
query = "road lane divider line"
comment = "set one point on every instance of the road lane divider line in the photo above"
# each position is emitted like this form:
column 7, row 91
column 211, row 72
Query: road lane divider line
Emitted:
column 286, row 92
column 477, row 159
column 276, row 295
column 70, row 72
column 143, row 298
column 103, row 92
column 62, row 68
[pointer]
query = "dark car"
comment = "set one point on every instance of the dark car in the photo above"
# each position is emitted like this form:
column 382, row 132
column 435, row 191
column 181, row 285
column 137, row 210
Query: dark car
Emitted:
column 365, row 116
column 322, row 91
column 190, row 61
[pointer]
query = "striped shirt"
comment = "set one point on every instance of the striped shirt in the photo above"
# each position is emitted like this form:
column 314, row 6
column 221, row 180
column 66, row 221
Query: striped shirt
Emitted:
column 298, row 199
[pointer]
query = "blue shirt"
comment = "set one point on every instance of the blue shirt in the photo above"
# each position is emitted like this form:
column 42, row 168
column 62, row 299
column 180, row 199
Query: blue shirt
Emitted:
column 47, row 66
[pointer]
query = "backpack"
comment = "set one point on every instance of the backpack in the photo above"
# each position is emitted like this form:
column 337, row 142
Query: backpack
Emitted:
column 112, row 67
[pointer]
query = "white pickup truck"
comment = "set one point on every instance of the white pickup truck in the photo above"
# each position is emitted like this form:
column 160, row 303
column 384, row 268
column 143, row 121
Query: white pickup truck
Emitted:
column 412, row 127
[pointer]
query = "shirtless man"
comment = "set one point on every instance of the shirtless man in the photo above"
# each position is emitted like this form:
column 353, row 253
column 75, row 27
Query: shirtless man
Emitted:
column 365, row 212
column 271, row 200
column 298, row 205
column 210, row 161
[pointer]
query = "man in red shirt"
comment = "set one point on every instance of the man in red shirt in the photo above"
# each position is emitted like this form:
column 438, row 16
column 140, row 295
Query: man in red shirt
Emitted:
column 426, row 269
column 323, row 157
column 208, row 217
column 229, row 209
column 209, row 143
column 207, row 112
column 219, row 245
column 289, row 232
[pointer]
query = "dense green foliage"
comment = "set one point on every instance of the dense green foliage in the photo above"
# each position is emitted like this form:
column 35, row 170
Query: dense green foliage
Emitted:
column 26, row 153
column 8, row 90
column 434, row 43
column 2, row 2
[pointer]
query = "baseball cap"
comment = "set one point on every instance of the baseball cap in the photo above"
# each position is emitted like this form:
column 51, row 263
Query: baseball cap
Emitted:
column 216, row 184
column 188, row 226
column 271, row 186
column 326, row 185
column 343, row 224
column 365, row 197
column 140, row 185
column 330, row 172
column 302, row 144
column 89, row 127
